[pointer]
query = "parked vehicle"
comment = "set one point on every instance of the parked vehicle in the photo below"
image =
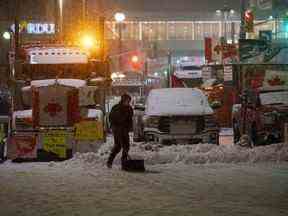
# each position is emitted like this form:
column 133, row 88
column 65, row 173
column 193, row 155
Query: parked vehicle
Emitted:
column 189, row 73
column 261, row 115
column 176, row 114
column 57, row 110
column 138, row 126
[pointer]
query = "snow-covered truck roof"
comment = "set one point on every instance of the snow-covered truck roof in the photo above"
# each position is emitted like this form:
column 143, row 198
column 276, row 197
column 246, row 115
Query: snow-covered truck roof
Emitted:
column 77, row 83
column 177, row 101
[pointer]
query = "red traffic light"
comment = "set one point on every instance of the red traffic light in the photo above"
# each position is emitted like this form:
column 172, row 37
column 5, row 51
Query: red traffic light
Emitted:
column 248, row 15
column 135, row 62
column 134, row 59
column 249, row 19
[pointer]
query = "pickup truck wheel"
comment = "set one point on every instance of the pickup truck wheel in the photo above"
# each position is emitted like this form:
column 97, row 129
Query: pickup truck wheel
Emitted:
column 147, row 138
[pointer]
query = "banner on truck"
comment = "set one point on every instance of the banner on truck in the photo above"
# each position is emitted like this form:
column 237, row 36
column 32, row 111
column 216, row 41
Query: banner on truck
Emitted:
column 89, row 130
column 257, row 76
column 55, row 142
column 22, row 146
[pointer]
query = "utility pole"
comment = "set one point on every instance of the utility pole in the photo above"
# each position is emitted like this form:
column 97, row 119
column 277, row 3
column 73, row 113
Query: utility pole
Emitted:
column 169, row 84
column 102, row 38
column 242, row 14
column 84, row 12
column 16, row 33
column 58, row 11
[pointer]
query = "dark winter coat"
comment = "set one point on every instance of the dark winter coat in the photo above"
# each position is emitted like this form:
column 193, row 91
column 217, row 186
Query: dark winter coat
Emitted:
column 121, row 117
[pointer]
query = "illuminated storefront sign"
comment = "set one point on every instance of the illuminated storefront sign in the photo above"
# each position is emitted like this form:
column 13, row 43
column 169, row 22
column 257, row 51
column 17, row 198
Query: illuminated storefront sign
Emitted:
column 41, row 28
column 35, row 28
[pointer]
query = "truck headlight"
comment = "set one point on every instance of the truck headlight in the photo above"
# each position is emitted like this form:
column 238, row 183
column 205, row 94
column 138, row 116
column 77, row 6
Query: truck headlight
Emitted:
column 151, row 121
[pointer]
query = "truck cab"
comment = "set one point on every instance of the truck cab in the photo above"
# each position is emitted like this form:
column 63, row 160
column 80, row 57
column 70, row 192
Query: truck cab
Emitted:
column 262, row 115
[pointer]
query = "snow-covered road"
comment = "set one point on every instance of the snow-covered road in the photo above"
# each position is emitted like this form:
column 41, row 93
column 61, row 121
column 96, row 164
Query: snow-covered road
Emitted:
column 178, row 189
column 181, row 180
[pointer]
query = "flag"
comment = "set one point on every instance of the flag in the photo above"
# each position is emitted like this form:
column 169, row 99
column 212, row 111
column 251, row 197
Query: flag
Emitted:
column 176, row 82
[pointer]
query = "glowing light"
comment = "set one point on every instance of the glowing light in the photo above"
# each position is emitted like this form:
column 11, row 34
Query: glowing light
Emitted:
column 114, row 76
column 88, row 42
column 119, row 17
column 135, row 59
column 6, row 35
column 117, row 75
column 121, row 76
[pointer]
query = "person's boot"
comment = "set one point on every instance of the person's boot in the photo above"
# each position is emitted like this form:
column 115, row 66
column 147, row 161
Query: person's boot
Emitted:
column 110, row 161
column 124, row 163
column 109, row 165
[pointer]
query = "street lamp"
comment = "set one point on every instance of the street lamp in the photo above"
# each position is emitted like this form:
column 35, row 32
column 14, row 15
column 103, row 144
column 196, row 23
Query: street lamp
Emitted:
column 88, row 42
column 6, row 35
column 60, row 5
column 119, row 18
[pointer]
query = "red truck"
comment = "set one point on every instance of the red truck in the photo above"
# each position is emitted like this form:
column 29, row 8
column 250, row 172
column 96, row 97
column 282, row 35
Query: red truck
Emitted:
column 261, row 111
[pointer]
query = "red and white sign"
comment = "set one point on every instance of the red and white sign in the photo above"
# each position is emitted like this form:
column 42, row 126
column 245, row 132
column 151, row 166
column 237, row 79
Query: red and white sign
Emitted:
column 50, row 105
column 22, row 146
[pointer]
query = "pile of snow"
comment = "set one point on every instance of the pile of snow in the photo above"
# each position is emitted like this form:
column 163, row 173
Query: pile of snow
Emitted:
column 154, row 154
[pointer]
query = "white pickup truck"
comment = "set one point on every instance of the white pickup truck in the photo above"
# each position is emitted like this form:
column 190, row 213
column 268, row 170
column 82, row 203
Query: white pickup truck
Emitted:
column 178, row 114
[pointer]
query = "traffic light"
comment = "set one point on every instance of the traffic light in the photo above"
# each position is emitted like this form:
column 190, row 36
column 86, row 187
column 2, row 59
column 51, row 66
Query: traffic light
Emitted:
column 248, row 21
column 135, row 62
column 135, row 59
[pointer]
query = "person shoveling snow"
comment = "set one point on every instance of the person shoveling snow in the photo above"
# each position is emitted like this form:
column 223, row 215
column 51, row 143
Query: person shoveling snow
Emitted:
column 121, row 122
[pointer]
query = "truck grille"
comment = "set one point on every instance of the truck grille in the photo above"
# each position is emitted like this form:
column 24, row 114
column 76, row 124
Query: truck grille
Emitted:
column 181, row 124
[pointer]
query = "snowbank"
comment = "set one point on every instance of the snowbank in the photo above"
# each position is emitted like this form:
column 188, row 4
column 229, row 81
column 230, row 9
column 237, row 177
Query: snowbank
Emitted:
column 154, row 154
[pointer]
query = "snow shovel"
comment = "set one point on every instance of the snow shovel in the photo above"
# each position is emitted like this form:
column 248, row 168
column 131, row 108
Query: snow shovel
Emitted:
column 133, row 165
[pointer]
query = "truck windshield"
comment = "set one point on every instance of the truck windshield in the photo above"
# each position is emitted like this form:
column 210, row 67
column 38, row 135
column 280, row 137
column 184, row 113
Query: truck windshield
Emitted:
column 190, row 67
column 274, row 97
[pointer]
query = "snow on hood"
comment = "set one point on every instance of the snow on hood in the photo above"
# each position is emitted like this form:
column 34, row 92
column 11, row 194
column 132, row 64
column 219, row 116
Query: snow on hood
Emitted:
column 77, row 83
column 155, row 154
column 22, row 114
column 177, row 101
